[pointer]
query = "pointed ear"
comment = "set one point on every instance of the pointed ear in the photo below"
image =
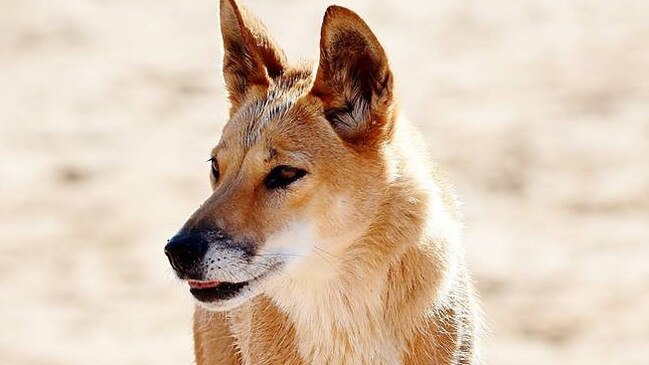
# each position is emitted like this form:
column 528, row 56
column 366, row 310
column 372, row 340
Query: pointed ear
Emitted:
column 251, row 58
column 354, row 81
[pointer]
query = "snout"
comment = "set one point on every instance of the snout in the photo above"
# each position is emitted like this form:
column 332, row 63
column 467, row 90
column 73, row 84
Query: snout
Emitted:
column 219, row 269
column 185, row 252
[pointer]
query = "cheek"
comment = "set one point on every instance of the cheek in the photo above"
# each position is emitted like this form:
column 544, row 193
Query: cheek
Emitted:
column 294, row 241
column 341, row 220
column 311, row 242
column 318, row 223
column 317, row 220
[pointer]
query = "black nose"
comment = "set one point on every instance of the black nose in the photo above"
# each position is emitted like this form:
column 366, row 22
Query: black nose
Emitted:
column 185, row 252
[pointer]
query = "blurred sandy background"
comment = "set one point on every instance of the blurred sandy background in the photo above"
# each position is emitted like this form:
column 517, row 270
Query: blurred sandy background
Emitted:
column 539, row 110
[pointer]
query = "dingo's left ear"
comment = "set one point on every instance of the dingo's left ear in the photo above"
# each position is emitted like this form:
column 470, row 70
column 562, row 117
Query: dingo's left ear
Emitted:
column 354, row 81
column 251, row 58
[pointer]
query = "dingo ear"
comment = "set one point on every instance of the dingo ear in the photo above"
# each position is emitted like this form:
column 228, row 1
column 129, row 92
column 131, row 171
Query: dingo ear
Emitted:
column 353, row 81
column 251, row 58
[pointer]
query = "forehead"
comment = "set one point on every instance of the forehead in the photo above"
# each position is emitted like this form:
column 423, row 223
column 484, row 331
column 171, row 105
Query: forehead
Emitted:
column 273, row 115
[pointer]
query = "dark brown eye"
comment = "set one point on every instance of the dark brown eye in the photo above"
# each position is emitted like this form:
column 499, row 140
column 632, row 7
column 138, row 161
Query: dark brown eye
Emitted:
column 214, row 168
column 282, row 176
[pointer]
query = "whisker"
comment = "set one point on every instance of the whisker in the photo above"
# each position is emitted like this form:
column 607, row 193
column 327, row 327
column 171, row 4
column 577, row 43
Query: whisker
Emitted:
column 326, row 252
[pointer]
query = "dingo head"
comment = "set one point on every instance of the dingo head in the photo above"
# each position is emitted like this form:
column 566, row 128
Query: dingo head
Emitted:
column 301, row 164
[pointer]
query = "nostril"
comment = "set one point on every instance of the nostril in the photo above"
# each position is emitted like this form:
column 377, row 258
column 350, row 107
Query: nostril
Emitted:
column 171, row 259
column 185, row 251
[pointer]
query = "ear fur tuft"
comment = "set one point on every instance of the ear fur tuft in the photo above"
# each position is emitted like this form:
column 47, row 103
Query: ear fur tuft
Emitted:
column 353, row 81
column 251, row 58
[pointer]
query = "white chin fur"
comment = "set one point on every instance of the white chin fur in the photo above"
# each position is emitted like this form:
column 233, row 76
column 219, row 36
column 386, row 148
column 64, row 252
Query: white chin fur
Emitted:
column 228, row 304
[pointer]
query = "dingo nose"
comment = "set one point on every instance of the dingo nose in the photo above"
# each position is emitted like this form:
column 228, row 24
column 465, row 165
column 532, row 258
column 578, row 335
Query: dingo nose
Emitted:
column 185, row 252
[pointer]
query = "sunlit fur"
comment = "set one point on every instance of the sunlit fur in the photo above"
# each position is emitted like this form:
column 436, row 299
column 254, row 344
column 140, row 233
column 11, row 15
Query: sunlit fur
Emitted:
column 368, row 243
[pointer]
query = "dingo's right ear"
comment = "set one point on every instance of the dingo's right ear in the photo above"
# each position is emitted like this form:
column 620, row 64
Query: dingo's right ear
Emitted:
column 354, row 81
column 251, row 58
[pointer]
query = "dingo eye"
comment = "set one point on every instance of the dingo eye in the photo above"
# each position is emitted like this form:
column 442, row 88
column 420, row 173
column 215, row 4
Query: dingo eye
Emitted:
column 282, row 176
column 214, row 168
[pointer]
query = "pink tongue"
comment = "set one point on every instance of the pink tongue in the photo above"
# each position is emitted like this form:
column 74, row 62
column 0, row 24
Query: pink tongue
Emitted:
column 194, row 284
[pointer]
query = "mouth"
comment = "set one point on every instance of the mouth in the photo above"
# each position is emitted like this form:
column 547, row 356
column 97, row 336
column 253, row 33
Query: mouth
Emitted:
column 211, row 291
column 217, row 292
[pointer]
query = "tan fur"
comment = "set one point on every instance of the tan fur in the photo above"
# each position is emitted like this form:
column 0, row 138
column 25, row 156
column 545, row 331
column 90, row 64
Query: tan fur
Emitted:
column 370, row 240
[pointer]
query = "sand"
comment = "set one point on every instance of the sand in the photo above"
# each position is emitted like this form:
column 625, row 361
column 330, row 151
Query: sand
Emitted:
column 538, row 110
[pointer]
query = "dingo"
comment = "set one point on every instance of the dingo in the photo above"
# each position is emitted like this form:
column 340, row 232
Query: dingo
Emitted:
column 328, row 238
